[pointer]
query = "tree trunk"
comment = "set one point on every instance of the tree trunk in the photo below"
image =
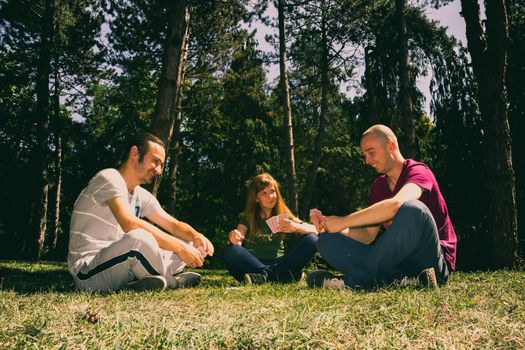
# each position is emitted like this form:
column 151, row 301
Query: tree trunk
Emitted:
column 288, row 132
column 38, row 214
column 406, row 124
column 319, row 140
column 170, row 76
column 174, row 149
column 373, row 114
column 58, row 161
column 489, row 53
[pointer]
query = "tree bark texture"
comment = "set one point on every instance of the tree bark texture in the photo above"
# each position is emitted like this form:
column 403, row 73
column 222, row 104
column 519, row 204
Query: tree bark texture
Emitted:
column 373, row 115
column 319, row 140
column 488, row 49
column 287, row 108
column 174, row 148
column 58, row 192
column 38, row 213
column 170, row 77
column 406, row 124
column 58, row 160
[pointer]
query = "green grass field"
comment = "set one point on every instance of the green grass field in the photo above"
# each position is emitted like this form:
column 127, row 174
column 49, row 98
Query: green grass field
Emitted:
column 39, row 309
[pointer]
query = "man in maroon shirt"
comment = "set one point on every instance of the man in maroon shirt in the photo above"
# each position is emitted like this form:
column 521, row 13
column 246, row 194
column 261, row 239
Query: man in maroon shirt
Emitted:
column 418, row 240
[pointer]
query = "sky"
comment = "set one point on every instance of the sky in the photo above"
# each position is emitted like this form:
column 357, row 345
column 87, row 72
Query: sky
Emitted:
column 448, row 16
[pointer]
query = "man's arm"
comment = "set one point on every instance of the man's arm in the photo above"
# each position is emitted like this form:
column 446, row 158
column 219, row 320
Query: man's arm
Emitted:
column 296, row 226
column 181, row 229
column 364, row 235
column 360, row 221
column 129, row 222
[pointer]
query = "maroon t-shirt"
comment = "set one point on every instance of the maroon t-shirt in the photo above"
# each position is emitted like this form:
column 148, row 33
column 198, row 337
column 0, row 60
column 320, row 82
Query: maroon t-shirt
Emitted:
column 419, row 174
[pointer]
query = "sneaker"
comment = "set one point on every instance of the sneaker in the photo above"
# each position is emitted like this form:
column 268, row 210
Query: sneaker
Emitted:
column 326, row 280
column 254, row 278
column 149, row 283
column 427, row 278
column 186, row 280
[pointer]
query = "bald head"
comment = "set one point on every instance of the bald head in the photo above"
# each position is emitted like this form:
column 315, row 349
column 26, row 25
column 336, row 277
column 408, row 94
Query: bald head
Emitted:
column 380, row 149
column 381, row 132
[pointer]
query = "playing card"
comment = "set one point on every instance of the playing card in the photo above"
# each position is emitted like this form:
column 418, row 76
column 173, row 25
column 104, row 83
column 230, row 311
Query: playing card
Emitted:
column 203, row 251
column 271, row 224
column 282, row 216
column 316, row 215
column 275, row 222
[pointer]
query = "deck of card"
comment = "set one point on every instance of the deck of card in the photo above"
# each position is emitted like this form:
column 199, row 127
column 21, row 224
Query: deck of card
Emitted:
column 203, row 251
column 316, row 216
column 273, row 222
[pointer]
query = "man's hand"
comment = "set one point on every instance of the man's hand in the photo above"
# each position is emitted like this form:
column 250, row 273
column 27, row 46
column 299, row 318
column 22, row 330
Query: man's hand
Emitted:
column 201, row 241
column 333, row 224
column 316, row 216
column 236, row 237
column 191, row 256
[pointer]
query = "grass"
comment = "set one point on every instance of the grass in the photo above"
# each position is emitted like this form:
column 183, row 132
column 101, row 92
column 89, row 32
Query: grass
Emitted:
column 39, row 309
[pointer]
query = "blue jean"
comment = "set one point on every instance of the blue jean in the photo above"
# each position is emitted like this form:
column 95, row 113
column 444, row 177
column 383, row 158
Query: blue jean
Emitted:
column 407, row 247
column 287, row 268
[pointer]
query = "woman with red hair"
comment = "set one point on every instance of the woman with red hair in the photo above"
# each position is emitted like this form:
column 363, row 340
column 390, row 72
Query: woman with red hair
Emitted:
column 255, row 252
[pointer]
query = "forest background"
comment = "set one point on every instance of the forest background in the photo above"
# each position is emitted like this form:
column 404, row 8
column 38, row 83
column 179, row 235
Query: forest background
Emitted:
column 77, row 77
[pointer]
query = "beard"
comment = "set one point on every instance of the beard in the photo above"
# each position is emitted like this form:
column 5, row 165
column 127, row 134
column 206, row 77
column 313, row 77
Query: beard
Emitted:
column 148, row 178
column 153, row 178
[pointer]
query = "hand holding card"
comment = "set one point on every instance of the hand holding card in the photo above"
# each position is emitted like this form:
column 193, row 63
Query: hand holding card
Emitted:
column 203, row 251
column 316, row 216
column 274, row 221
column 273, row 224
column 280, row 222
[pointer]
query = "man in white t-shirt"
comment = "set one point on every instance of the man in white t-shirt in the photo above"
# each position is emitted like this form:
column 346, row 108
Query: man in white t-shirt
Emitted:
column 112, row 246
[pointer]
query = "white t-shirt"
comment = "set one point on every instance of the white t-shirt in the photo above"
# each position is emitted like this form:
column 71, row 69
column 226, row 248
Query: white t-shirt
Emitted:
column 93, row 225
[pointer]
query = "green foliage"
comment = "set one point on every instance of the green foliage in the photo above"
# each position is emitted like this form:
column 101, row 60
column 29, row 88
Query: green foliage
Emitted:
column 214, row 34
column 74, row 58
column 226, row 144
column 460, row 154
column 107, row 56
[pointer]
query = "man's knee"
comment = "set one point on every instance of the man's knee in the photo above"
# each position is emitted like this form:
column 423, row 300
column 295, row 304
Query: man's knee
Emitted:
column 142, row 237
column 325, row 241
column 414, row 208
column 415, row 213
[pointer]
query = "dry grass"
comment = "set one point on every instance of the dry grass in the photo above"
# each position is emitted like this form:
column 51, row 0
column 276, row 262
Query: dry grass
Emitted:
column 39, row 309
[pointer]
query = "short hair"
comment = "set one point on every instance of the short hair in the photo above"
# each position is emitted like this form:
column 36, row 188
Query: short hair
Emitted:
column 142, row 141
column 381, row 131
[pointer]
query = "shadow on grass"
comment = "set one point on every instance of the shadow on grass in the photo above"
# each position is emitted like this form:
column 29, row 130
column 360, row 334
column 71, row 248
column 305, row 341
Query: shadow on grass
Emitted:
column 28, row 278
column 216, row 278
column 35, row 278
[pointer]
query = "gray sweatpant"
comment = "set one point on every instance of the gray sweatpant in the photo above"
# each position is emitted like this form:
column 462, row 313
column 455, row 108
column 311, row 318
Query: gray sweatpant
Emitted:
column 135, row 256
